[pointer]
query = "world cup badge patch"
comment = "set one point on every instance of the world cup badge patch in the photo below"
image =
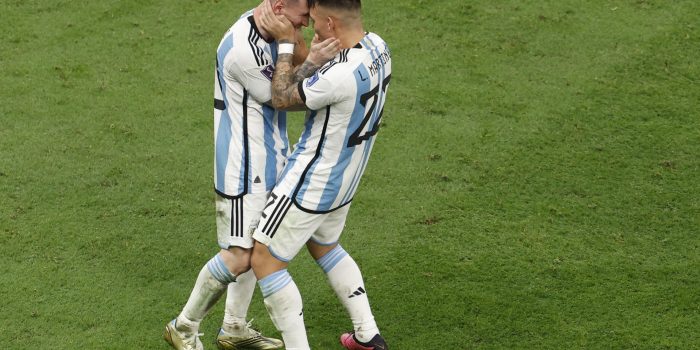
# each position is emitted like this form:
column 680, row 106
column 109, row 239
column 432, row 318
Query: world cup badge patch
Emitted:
column 268, row 71
column 314, row 78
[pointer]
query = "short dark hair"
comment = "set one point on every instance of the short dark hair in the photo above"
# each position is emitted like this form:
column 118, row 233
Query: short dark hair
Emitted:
column 337, row 4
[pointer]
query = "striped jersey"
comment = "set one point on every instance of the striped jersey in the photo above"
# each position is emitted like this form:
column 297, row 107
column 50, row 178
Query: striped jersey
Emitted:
column 345, row 99
column 250, row 137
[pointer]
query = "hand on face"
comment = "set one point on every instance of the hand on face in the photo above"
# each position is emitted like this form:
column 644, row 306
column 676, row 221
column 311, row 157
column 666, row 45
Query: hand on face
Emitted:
column 276, row 25
column 323, row 51
column 299, row 37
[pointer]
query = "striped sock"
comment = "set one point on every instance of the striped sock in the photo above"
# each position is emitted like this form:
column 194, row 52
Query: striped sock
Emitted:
column 210, row 285
column 218, row 269
column 346, row 279
column 283, row 302
column 238, row 300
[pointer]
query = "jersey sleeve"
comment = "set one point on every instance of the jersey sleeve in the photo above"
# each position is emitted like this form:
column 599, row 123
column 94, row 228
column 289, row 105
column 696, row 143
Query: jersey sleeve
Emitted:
column 322, row 89
column 255, row 78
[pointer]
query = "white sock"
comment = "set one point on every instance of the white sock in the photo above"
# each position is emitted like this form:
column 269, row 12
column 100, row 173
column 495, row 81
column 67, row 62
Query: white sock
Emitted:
column 210, row 285
column 238, row 300
column 346, row 279
column 283, row 303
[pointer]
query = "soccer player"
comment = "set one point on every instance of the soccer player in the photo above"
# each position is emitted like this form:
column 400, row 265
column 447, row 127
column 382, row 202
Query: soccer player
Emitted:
column 310, row 201
column 251, row 146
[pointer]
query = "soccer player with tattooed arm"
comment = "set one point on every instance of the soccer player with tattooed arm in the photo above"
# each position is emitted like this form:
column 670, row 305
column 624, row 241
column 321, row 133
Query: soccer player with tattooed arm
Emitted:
column 309, row 204
column 251, row 147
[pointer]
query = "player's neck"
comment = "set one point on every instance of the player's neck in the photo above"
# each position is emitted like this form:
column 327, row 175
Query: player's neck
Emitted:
column 351, row 37
column 256, row 15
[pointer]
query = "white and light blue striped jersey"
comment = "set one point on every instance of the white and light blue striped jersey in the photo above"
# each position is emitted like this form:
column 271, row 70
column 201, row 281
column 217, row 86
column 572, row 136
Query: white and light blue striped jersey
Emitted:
column 346, row 101
column 250, row 137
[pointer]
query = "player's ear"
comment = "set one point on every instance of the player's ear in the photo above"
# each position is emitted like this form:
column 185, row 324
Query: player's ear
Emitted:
column 331, row 24
column 277, row 6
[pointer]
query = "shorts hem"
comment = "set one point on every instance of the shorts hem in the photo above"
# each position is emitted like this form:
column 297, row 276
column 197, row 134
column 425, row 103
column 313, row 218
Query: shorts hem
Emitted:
column 277, row 256
column 322, row 243
column 245, row 245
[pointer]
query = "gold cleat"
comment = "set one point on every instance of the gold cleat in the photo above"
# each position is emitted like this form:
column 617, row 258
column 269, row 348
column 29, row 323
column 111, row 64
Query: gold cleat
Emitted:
column 180, row 340
column 249, row 340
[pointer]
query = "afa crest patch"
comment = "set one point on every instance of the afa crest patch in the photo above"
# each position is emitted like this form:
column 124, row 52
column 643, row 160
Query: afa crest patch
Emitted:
column 314, row 78
column 268, row 72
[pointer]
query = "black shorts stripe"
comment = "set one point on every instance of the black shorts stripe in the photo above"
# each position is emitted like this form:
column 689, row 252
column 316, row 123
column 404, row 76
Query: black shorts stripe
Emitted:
column 284, row 213
column 237, row 217
column 272, row 214
column 276, row 217
column 233, row 217
column 240, row 217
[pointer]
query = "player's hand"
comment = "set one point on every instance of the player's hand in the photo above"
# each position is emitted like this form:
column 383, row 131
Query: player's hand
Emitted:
column 299, row 37
column 323, row 51
column 301, row 51
column 276, row 25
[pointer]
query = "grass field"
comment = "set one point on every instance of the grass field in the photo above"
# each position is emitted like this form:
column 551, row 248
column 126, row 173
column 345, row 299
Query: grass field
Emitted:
column 535, row 184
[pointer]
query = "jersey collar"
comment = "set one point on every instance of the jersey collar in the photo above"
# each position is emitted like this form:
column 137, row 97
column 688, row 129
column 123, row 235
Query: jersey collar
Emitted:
column 251, row 19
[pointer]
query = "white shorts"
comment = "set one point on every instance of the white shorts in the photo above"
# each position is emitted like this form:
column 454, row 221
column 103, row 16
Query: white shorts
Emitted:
column 285, row 229
column 237, row 218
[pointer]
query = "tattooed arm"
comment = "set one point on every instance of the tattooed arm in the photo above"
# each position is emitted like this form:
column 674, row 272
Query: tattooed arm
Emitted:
column 285, row 91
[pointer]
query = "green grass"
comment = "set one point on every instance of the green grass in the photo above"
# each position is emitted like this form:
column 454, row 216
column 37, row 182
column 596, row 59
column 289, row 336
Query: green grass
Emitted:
column 534, row 186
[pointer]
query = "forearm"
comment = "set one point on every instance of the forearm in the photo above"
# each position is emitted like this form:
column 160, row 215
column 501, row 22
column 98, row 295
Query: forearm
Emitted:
column 305, row 70
column 285, row 93
column 283, row 82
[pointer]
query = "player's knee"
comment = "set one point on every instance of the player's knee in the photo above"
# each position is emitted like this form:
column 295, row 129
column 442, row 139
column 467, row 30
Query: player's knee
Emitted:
column 317, row 250
column 241, row 268
column 263, row 263
column 237, row 260
column 257, row 259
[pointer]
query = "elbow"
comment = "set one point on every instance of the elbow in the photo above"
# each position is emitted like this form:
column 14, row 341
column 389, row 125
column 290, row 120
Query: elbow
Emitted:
column 279, row 103
column 276, row 102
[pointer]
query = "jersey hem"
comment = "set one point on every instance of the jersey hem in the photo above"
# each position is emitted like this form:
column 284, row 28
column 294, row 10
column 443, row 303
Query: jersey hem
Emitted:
column 228, row 196
column 296, row 204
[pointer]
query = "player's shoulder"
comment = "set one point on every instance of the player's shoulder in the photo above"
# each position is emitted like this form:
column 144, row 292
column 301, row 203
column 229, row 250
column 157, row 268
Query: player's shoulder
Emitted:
column 374, row 39
column 333, row 74
column 244, row 44
column 240, row 27
column 243, row 20
column 377, row 55
column 244, row 31
column 373, row 45
column 367, row 50
column 243, row 27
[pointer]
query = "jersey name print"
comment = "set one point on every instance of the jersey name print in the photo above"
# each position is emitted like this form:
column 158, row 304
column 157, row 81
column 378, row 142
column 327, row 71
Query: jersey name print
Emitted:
column 250, row 137
column 346, row 101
